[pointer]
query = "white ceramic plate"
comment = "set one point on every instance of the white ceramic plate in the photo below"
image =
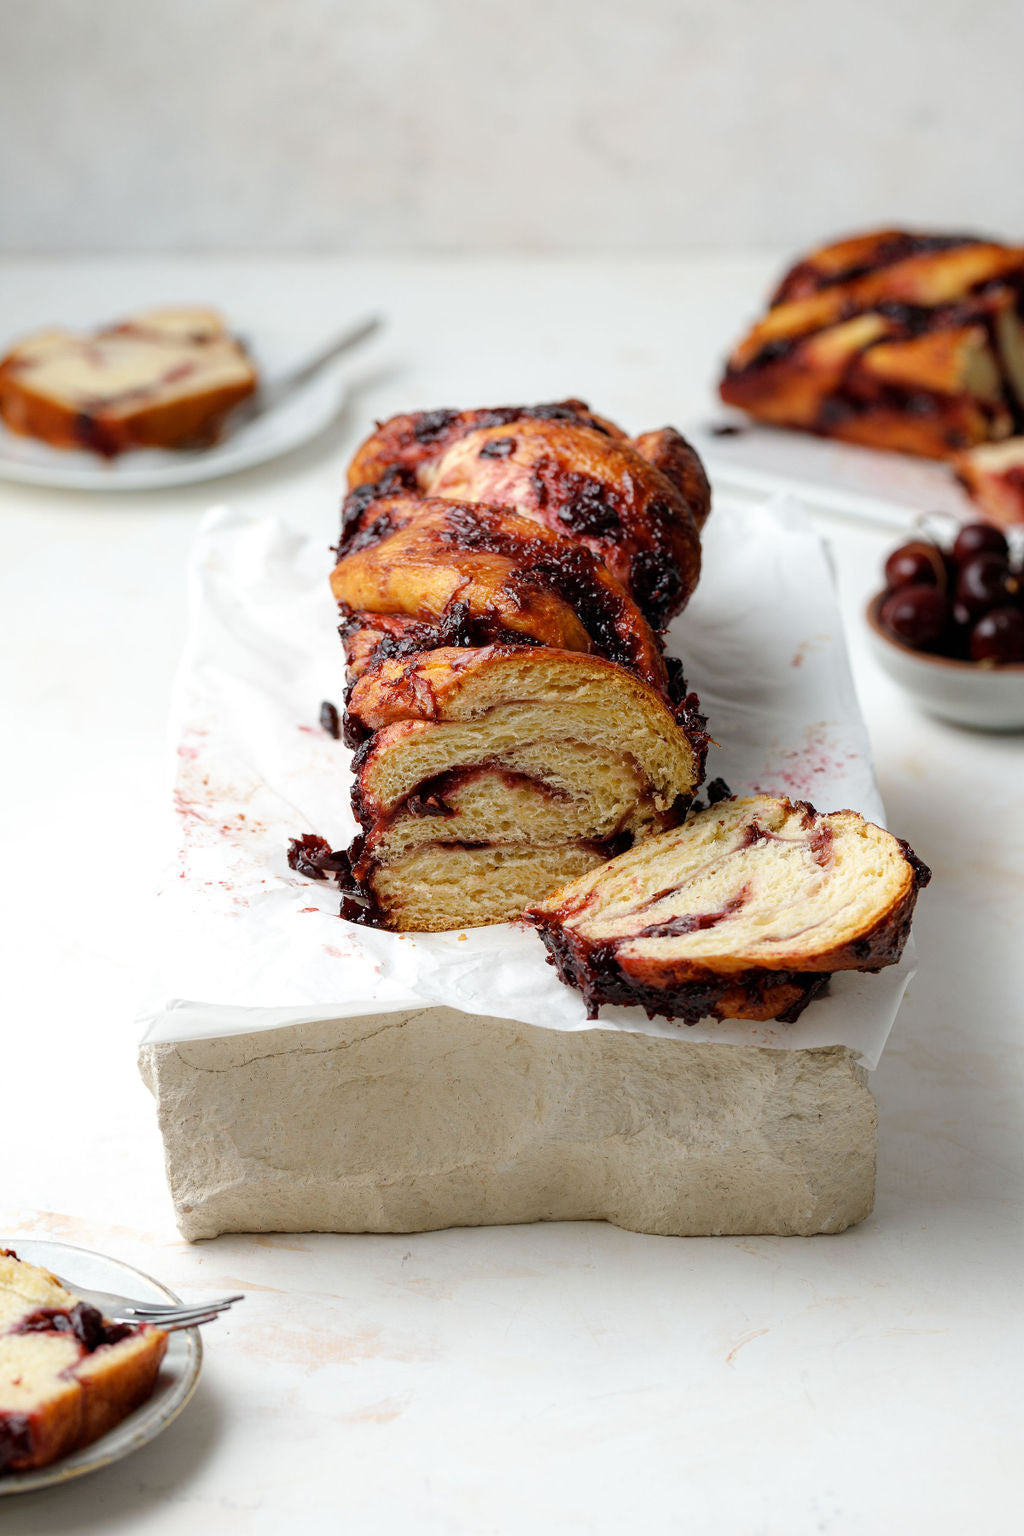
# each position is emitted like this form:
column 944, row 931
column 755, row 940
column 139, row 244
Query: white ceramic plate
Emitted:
column 175, row 1384
column 300, row 417
column 866, row 485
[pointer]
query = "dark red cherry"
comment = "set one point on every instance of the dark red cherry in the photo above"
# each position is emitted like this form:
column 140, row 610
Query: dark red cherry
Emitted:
column 985, row 582
column 998, row 637
column 978, row 539
column 915, row 564
column 915, row 615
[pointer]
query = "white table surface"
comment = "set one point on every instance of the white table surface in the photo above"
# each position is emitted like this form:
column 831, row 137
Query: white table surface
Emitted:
column 555, row 1378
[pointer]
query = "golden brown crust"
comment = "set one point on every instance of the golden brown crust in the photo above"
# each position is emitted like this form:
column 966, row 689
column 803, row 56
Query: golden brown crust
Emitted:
column 638, row 505
column 604, row 493
column 891, row 339
column 413, row 442
column 426, row 558
column 102, row 1391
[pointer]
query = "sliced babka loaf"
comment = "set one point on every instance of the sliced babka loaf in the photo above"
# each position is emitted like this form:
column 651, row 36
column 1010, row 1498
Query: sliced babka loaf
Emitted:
column 742, row 912
column 488, row 775
column 66, row 1374
column 907, row 341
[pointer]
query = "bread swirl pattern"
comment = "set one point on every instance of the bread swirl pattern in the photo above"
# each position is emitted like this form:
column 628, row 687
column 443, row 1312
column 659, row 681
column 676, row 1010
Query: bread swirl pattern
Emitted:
column 743, row 912
column 501, row 579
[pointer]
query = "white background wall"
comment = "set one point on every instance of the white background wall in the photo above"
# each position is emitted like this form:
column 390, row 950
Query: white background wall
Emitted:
column 539, row 124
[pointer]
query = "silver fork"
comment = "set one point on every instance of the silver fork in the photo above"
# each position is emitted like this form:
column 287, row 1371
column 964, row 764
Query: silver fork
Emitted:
column 273, row 391
column 166, row 1315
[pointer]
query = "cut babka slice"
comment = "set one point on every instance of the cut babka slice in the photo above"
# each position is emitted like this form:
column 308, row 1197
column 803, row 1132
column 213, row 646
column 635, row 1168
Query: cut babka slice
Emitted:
column 509, row 578
column 993, row 477
column 66, row 1374
column 489, row 776
column 638, row 504
column 164, row 379
column 895, row 340
column 742, row 912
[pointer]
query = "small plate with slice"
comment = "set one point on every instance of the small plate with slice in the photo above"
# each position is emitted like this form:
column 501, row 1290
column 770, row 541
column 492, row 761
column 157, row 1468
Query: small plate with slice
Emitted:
column 179, row 1373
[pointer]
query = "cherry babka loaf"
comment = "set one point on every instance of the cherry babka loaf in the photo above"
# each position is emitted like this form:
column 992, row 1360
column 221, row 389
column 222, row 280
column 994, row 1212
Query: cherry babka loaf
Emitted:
column 742, row 912
column 66, row 1374
column 912, row 342
column 163, row 379
column 501, row 577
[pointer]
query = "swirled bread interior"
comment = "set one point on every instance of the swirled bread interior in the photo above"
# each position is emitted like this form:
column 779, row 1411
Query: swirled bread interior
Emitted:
column 737, row 912
column 491, row 774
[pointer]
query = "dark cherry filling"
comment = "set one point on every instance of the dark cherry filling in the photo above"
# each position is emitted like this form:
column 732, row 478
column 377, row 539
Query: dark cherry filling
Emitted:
column 396, row 480
column 82, row 1320
column 330, row 720
column 498, row 448
column 15, row 1437
column 693, row 922
column 592, row 967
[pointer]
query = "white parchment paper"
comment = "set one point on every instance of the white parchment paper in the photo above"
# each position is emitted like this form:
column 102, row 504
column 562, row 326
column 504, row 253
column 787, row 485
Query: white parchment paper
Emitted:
column 244, row 943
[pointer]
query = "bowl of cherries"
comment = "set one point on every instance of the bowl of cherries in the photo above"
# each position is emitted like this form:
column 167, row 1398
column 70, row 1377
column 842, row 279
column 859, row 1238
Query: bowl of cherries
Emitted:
column 949, row 627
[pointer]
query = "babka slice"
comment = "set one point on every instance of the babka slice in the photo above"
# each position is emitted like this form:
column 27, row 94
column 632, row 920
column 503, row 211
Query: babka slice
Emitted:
column 66, row 1374
column 508, row 577
column 895, row 340
column 993, row 477
column 488, row 776
column 742, row 912
column 164, row 379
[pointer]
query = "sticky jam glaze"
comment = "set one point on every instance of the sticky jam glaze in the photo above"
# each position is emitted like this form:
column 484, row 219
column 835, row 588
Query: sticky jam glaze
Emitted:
column 593, row 968
column 542, row 562
column 408, row 445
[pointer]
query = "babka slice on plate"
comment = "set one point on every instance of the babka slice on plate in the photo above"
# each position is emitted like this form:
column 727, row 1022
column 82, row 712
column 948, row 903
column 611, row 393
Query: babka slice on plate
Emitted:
column 66, row 1374
column 164, row 379
column 488, row 775
column 742, row 912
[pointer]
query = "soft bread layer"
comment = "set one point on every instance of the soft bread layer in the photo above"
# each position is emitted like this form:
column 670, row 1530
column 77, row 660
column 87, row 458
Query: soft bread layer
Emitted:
column 438, row 887
column 537, row 795
column 24, row 1287
column 512, row 763
column 110, row 372
column 558, row 716
column 789, row 889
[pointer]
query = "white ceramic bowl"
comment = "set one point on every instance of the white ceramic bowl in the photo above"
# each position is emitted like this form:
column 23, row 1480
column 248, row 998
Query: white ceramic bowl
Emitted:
column 986, row 698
